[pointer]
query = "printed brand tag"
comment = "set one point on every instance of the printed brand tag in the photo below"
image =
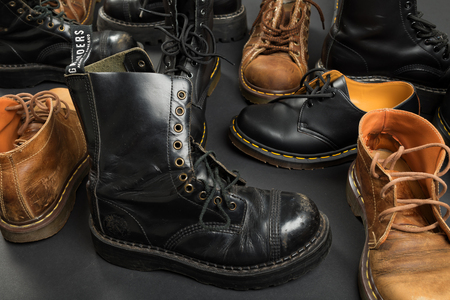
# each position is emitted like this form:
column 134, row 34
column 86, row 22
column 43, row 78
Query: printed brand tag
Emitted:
column 81, row 48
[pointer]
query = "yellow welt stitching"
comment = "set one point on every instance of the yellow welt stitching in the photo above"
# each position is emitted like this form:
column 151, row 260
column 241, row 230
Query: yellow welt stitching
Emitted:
column 215, row 69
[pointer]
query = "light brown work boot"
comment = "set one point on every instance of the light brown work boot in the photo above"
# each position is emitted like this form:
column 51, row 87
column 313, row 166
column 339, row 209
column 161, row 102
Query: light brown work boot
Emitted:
column 275, row 58
column 394, row 187
column 42, row 161
column 81, row 11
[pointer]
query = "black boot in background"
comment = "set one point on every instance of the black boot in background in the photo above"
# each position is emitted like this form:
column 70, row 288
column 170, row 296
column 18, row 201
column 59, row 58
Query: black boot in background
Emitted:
column 35, row 43
column 442, row 118
column 230, row 19
column 374, row 41
column 159, row 201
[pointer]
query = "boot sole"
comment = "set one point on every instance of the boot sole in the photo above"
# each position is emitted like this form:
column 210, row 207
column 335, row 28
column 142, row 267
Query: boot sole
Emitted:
column 28, row 75
column 149, row 258
column 55, row 220
column 442, row 126
column 367, row 287
column 430, row 98
column 285, row 159
column 227, row 28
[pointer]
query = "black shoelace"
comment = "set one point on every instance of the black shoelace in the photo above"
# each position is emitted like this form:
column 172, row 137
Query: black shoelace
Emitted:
column 220, row 183
column 47, row 9
column 427, row 30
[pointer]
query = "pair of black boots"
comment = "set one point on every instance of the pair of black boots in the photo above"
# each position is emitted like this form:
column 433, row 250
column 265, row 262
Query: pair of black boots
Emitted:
column 158, row 199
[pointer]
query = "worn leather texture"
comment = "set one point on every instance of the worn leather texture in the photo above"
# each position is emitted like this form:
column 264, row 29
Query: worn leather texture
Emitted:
column 81, row 11
column 358, row 44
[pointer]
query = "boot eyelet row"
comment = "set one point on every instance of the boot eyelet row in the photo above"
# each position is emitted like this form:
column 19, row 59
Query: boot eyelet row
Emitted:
column 181, row 95
column 178, row 128
column 179, row 111
column 179, row 162
column 202, row 195
column 141, row 63
column 183, row 177
column 177, row 145
column 188, row 188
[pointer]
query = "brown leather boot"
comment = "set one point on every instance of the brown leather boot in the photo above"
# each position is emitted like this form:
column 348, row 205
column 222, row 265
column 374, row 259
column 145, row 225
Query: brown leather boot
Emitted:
column 275, row 58
column 81, row 11
column 394, row 187
column 42, row 161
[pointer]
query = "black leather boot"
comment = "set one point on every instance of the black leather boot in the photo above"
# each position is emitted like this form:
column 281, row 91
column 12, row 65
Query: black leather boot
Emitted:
column 35, row 44
column 370, row 41
column 160, row 201
column 230, row 19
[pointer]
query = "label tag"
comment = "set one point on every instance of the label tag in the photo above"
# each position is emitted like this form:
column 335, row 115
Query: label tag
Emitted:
column 81, row 48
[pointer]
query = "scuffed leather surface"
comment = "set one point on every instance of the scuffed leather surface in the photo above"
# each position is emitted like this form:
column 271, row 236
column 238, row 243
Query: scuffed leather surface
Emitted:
column 371, row 39
column 35, row 173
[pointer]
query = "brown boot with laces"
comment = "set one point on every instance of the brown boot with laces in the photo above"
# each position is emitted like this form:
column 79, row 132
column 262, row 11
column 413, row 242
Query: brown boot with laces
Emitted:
column 42, row 161
column 394, row 187
column 275, row 58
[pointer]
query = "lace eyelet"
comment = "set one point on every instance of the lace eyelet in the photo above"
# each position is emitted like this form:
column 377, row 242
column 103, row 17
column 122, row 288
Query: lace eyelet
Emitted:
column 297, row 53
column 181, row 95
column 179, row 111
column 202, row 24
column 177, row 145
column 183, row 177
column 435, row 49
column 61, row 28
column 188, row 188
column 178, row 128
column 12, row 3
column 217, row 200
column 20, row 11
column 50, row 25
column 29, row 17
column 296, row 44
column 408, row 5
column 202, row 195
column 40, row 22
column 194, row 63
column 141, row 63
column 190, row 75
column 202, row 12
column 179, row 162
column 233, row 206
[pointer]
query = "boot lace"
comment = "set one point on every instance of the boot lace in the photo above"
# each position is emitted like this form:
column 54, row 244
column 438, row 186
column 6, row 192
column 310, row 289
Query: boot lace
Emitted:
column 47, row 9
column 27, row 109
column 277, row 38
column 187, row 43
column 427, row 30
column 219, row 183
column 389, row 164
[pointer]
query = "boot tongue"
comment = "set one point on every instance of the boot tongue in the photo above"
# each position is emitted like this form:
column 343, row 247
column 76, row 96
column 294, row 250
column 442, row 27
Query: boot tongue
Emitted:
column 9, row 123
column 341, row 84
column 29, row 132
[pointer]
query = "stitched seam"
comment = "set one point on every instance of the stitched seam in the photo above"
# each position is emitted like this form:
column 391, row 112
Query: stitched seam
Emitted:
column 367, row 275
column 440, row 120
column 2, row 203
column 288, row 156
column 230, row 16
column 19, row 194
column 204, row 133
column 215, row 68
column 57, row 204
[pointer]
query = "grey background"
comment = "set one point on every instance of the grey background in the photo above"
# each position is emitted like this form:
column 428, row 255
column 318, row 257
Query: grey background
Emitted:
column 67, row 267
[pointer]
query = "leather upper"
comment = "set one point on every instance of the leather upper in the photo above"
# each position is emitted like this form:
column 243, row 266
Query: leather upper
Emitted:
column 81, row 11
column 26, row 41
column 300, row 125
column 359, row 44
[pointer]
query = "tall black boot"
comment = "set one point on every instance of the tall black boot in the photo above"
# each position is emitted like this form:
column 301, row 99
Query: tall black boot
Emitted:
column 35, row 43
column 160, row 201
column 373, row 41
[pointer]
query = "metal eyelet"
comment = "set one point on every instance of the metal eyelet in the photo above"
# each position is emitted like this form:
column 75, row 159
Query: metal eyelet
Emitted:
column 29, row 17
column 408, row 5
column 177, row 145
column 61, row 28
column 40, row 22
column 202, row 11
column 179, row 111
column 179, row 162
column 50, row 25
column 181, row 95
column 20, row 11
column 12, row 3
column 183, row 177
column 202, row 195
column 178, row 127
column 297, row 53
column 190, row 75
column 189, row 188
column 194, row 63
column 141, row 63
column 233, row 206
column 202, row 24
column 217, row 200
column 296, row 44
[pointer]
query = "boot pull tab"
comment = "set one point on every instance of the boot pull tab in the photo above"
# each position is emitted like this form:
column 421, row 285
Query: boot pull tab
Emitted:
column 81, row 48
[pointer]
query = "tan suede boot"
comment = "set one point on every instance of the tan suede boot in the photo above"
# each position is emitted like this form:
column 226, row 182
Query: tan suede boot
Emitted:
column 275, row 58
column 393, row 187
column 42, row 161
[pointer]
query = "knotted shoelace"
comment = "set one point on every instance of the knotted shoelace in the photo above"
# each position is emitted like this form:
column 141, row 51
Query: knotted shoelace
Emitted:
column 220, row 183
column 277, row 38
column 27, row 109
column 389, row 164
column 427, row 30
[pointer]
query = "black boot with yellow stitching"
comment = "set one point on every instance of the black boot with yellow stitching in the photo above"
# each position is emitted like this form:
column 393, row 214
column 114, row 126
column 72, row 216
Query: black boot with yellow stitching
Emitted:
column 317, row 127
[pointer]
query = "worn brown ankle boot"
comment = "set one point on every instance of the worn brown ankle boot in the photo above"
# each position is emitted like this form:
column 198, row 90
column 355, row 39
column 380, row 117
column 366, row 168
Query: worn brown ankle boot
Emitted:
column 42, row 161
column 394, row 187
